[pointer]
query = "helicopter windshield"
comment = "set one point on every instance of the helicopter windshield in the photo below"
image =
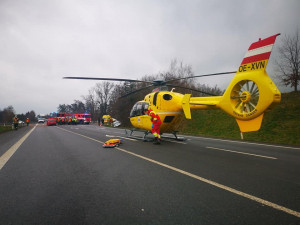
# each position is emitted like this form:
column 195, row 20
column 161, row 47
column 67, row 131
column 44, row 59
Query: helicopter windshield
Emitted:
column 139, row 108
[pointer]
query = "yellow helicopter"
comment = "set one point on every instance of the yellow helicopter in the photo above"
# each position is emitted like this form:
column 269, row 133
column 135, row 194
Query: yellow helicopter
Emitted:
column 250, row 93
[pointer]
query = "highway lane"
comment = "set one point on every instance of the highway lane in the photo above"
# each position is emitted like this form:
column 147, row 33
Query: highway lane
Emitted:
column 8, row 139
column 260, row 171
column 62, row 175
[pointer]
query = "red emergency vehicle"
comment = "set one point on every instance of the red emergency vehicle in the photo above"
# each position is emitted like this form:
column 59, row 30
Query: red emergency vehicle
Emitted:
column 84, row 118
column 51, row 121
column 62, row 118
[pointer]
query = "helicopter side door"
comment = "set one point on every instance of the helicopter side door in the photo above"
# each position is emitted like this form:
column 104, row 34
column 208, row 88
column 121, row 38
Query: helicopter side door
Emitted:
column 157, row 100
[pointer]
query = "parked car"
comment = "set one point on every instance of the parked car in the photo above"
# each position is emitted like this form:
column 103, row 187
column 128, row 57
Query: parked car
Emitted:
column 116, row 123
column 41, row 120
column 51, row 121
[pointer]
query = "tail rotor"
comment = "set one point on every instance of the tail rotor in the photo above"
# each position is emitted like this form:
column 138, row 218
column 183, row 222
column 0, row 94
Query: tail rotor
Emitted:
column 244, row 96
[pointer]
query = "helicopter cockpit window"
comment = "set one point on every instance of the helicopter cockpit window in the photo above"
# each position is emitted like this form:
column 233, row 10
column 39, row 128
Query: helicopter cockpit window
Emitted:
column 145, row 106
column 138, row 109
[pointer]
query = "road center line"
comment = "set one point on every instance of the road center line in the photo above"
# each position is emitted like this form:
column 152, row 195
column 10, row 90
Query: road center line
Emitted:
column 81, row 135
column 178, row 142
column 221, row 186
column 9, row 153
column 244, row 153
column 215, row 184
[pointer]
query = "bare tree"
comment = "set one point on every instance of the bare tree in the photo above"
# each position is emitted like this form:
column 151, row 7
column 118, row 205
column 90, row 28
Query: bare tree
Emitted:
column 289, row 61
column 78, row 107
column 117, row 101
column 104, row 95
column 31, row 115
column 8, row 114
column 62, row 108
column 91, row 104
column 179, row 70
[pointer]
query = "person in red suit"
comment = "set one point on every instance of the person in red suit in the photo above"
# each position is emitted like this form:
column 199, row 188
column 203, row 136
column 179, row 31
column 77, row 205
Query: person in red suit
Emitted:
column 156, row 122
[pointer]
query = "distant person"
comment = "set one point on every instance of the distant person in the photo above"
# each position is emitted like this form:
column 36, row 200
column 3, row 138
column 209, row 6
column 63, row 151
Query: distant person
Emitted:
column 27, row 121
column 74, row 120
column 16, row 122
column 99, row 121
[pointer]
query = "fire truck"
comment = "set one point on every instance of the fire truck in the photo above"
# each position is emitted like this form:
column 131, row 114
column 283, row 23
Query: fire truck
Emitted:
column 62, row 118
column 84, row 118
column 67, row 118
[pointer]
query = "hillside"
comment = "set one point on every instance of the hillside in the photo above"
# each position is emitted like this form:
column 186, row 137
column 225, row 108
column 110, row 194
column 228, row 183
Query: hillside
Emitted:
column 281, row 125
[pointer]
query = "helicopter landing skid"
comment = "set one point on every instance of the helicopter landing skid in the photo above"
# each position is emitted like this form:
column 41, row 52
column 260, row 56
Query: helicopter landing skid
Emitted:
column 175, row 137
column 148, row 139
column 144, row 138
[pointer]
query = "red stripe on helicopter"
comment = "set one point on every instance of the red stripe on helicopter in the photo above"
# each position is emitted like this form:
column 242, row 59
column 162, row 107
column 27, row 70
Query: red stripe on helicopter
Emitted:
column 256, row 58
column 264, row 42
column 260, row 50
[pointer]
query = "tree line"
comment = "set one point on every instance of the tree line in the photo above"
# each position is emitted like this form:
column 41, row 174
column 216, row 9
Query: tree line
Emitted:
column 8, row 113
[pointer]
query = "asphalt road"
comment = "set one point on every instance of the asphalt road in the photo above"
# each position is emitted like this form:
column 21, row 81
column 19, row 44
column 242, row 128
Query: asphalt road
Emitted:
column 63, row 175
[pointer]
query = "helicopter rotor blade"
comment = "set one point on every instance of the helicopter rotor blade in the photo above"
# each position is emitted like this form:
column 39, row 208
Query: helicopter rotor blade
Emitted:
column 153, row 83
column 191, row 89
column 102, row 78
column 203, row 75
column 123, row 96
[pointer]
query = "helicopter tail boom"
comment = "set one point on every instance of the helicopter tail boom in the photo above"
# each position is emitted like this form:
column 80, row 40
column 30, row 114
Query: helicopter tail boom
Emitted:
column 189, row 103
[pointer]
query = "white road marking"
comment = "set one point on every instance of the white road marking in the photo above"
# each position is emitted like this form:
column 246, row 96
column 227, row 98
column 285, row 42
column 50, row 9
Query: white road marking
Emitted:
column 241, row 142
column 178, row 142
column 81, row 135
column 244, row 153
column 221, row 186
column 215, row 184
column 115, row 132
column 11, row 151
column 120, row 137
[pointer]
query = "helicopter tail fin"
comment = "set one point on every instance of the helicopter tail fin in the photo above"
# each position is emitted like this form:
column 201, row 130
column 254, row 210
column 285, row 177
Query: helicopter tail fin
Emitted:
column 258, row 55
column 186, row 106
column 252, row 92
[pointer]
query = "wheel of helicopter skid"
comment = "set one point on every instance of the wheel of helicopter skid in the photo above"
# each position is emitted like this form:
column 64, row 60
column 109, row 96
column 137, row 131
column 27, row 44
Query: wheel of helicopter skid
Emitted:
column 244, row 97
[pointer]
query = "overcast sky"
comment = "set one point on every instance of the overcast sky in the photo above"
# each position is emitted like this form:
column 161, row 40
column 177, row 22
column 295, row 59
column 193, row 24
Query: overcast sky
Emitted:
column 44, row 40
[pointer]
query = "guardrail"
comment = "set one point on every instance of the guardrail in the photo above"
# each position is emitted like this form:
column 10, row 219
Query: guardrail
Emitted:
column 10, row 124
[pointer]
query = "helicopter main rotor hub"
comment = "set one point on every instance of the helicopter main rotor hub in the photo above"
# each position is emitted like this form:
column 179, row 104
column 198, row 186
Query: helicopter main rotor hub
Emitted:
column 159, row 82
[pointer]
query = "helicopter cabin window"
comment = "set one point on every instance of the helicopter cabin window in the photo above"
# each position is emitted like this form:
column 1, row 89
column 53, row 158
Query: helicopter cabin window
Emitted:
column 139, row 108
column 167, row 97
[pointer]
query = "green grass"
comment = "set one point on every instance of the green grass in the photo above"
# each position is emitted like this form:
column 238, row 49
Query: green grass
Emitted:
column 281, row 125
column 5, row 128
